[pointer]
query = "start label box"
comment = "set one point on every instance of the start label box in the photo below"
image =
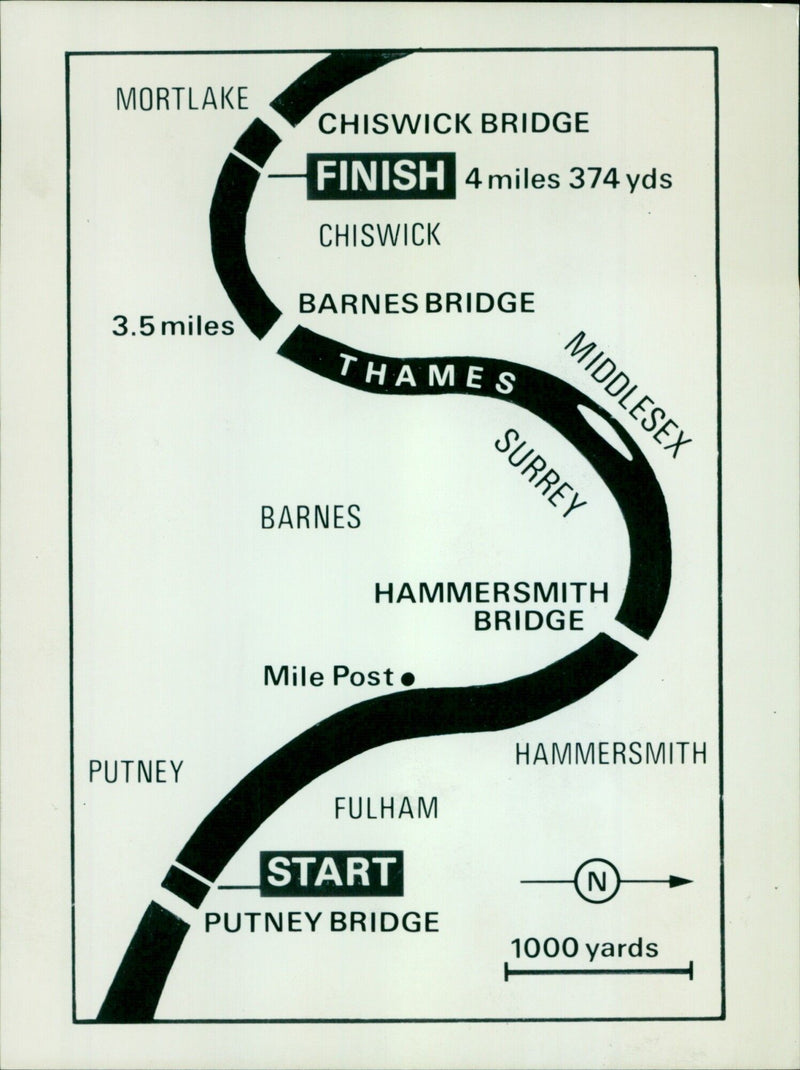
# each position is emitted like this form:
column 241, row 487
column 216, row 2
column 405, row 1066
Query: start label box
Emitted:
column 331, row 873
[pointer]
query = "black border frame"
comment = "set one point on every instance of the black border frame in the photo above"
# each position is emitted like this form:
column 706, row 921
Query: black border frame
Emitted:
column 718, row 311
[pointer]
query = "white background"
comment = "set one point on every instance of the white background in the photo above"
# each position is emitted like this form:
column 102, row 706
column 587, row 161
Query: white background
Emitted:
column 759, row 369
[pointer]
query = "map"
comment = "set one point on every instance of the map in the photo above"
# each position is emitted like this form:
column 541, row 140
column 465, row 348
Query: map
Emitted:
column 394, row 396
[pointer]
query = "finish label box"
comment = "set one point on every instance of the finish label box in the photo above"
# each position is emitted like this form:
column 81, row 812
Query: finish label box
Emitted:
column 386, row 176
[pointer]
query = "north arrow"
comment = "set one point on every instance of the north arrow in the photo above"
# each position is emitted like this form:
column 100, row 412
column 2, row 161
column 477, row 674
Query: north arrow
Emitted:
column 674, row 882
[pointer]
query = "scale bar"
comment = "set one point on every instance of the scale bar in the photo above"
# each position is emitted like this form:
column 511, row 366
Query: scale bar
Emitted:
column 688, row 971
